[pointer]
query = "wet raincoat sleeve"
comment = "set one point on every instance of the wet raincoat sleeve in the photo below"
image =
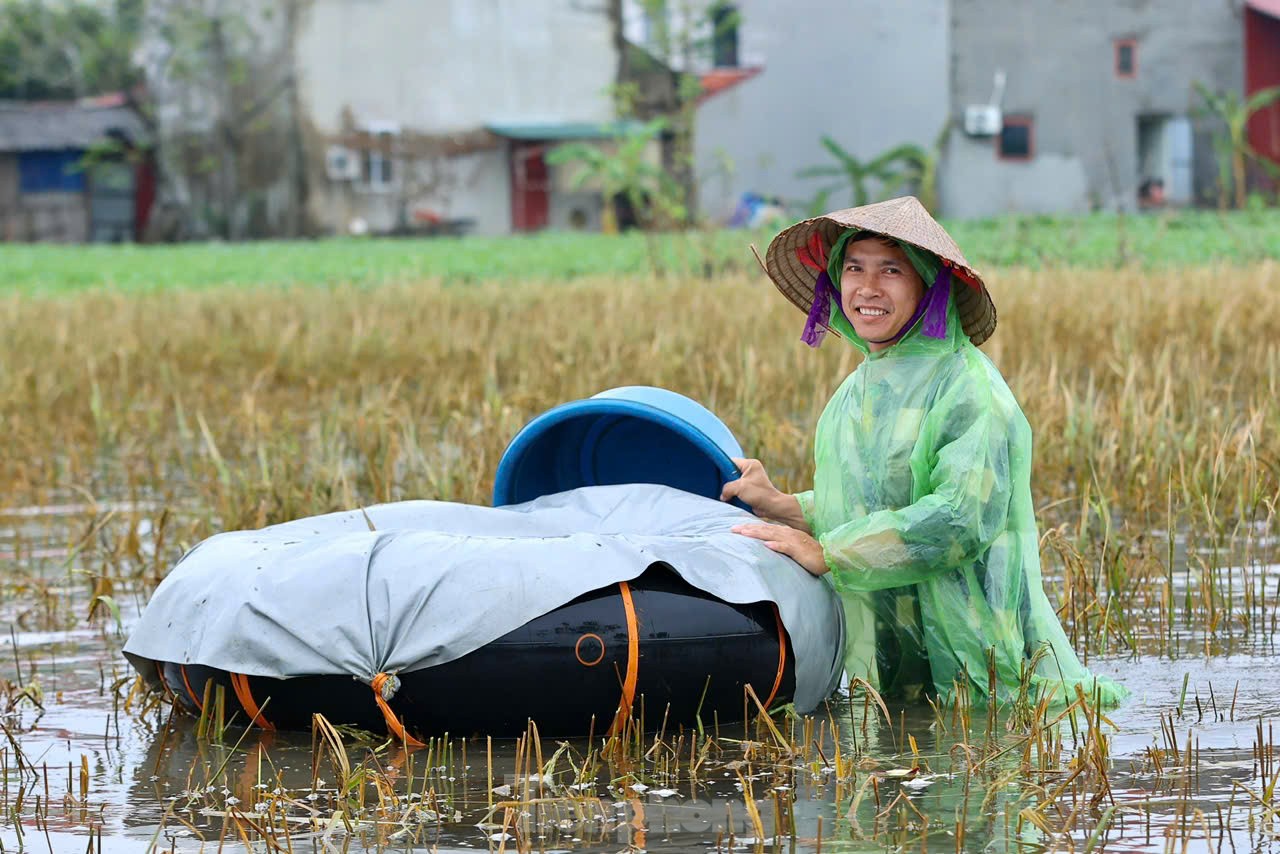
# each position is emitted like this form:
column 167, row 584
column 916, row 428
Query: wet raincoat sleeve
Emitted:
column 805, row 499
column 960, row 503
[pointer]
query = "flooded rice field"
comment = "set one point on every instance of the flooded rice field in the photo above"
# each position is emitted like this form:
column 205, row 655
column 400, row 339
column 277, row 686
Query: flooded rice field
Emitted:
column 91, row 763
column 137, row 425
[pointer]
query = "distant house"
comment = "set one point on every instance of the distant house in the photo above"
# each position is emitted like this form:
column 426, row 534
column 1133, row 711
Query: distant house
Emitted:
column 871, row 75
column 1075, row 106
column 51, row 191
column 440, row 114
column 416, row 116
column 1046, row 105
column 437, row 115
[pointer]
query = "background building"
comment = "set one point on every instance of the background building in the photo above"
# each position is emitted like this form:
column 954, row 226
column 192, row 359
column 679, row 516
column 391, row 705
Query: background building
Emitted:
column 1097, row 97
column 71, row 172
column 291, row 117
column 442, row 112
column 869, row 75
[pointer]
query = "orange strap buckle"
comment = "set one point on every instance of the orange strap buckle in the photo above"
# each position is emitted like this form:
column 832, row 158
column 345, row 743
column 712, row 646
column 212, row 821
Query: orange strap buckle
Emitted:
column 385, row 686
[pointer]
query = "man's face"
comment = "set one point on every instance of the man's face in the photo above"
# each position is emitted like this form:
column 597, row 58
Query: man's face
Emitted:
column 879, row 289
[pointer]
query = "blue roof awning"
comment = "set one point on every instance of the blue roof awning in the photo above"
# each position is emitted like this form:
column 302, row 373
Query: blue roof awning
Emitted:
column 564, row 130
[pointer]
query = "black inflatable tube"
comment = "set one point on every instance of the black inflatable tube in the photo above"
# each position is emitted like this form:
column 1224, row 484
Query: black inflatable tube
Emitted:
column 655, row 646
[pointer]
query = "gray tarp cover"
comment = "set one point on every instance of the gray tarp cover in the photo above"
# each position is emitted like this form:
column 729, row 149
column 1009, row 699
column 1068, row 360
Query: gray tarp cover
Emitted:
column 434, row 580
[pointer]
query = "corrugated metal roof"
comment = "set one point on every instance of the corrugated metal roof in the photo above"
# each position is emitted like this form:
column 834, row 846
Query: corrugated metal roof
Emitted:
column 563, row 130
column 1266, row 7
column 54, row 125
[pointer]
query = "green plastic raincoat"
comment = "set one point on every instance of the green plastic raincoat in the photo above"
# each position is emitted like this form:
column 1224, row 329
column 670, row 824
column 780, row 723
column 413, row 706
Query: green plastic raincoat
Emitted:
column 922, row 503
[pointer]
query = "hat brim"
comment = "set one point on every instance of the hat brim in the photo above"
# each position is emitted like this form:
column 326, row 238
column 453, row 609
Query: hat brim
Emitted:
column 903, row 219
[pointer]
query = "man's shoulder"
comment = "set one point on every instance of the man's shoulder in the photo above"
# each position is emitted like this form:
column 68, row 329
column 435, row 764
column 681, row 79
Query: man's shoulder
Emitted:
column 970, row 373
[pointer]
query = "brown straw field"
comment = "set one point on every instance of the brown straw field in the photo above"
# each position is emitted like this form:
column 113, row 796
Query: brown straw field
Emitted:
column 1152, row 397
column 137, row 423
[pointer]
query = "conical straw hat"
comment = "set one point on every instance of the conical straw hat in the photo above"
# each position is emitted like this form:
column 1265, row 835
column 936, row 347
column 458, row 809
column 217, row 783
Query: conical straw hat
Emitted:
column 904, row 219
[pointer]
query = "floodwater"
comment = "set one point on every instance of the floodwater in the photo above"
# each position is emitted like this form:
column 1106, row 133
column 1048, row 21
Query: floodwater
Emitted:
column 84, row 773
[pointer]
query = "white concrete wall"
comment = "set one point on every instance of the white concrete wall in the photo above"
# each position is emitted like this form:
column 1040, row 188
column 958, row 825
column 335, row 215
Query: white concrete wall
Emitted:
column 870, row 74
column 472, row 186
column 482, row 191
column 566, row 207
column 455, row 65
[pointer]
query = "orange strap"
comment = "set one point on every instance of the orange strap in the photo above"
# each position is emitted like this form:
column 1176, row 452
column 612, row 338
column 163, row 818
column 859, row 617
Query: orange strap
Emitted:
column 240, row 683
column 633, row 660
column 782, row 657
column 393, row 723
column 198, row 699
column 164, row 683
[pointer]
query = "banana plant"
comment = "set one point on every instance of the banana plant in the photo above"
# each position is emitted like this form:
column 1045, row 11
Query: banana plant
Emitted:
column 904, row 167
column 1233, row 150
column 626, row 170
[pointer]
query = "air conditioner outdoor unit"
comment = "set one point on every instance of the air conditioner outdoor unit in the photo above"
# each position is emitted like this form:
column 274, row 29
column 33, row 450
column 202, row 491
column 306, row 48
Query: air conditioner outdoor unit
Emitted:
column 341, row 163
column 982, row 120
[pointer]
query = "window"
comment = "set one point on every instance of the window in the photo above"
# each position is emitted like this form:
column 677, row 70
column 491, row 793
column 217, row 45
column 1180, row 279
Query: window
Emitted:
column 724, row 35
column 378, row 167
column 378, row 164
column 1126, row 58
column 1017, row 138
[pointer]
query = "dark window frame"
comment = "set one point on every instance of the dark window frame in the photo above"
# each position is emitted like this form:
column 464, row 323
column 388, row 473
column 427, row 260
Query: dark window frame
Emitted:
column 1018, row 120
column 725, row 18
column 1120, row 45
column 377, row 162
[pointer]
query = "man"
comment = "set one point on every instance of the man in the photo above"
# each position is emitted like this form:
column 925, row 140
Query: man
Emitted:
column 921, row 511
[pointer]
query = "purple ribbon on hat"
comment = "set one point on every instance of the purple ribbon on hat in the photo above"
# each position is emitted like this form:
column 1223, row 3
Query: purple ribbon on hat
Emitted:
column 815, row 326
column 935, row 305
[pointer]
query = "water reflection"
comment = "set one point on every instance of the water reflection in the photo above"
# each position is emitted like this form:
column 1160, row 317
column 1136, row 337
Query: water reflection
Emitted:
column 1186, row 765
column 150, row 782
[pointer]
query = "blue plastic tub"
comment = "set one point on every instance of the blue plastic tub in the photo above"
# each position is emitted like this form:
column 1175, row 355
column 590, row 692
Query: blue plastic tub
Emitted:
column 634, row 434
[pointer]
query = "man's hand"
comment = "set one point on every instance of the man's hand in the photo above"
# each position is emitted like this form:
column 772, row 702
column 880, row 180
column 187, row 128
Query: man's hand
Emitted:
column 753, row 487
column 758, row 492
column 797, row 545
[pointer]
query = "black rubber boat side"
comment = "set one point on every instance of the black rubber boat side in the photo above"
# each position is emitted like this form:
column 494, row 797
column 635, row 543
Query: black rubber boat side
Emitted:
column 654, row 648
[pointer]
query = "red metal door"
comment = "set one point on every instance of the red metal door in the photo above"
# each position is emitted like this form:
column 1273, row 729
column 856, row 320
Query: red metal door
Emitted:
column 1261, row 71
column 530, row 187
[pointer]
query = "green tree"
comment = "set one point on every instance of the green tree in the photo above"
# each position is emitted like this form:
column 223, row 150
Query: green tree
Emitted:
column 626, row 169
column 920, row 169
column 659, row 79
column 907, row 167
column 67, row 50
column 1232, row 143
column 224, row 114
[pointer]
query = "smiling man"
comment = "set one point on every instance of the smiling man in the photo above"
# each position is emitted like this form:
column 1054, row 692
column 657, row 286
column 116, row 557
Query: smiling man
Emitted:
column 921, row 512
column 879, row 289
